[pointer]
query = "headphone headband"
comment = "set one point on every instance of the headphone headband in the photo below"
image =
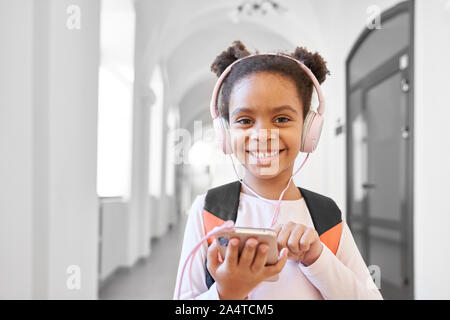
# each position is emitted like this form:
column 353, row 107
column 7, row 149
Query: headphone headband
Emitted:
column 213, row 104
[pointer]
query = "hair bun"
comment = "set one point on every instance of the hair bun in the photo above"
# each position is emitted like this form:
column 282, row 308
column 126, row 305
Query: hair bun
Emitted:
column 234, row 52
column 313, row 61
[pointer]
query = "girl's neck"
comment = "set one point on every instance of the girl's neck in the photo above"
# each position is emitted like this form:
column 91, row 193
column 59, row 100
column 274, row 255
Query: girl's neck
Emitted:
column 272, row 188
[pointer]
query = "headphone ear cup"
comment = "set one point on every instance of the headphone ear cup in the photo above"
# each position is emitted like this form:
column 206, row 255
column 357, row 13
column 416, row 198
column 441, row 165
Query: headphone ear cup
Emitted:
column 312, row 128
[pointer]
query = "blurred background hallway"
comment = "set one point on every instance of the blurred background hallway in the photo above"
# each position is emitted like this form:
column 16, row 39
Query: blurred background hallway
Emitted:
column 106, row 136
column 149, row 278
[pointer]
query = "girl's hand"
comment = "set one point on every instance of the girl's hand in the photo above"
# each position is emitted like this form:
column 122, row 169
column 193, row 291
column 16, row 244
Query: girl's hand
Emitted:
column 302, row 242
column 236, row 276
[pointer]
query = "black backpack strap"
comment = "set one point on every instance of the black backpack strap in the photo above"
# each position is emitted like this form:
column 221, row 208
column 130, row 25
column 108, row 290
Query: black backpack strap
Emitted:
column 223, row 201
column 326, row 217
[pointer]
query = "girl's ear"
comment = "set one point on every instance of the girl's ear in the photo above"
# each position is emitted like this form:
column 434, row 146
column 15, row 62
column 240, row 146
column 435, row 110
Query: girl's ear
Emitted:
column 234, row 52
column 313, row 61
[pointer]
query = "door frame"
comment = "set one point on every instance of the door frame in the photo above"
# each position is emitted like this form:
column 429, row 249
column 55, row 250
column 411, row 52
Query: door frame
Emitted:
column 408, row 210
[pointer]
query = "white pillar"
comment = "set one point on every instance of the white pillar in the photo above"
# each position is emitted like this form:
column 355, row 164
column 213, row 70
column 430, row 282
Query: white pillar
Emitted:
column 165, row 200
column 16, row 149
column 50, row 137
column 139, row 232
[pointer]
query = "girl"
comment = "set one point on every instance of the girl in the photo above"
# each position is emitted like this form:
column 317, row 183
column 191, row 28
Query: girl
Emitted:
column 264, row 102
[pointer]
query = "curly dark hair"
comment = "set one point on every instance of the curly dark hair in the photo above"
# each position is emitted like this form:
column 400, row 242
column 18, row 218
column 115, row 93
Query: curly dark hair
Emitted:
column 274, row 64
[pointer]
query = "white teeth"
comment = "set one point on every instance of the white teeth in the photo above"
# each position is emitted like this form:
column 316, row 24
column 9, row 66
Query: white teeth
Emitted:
column 264, row 154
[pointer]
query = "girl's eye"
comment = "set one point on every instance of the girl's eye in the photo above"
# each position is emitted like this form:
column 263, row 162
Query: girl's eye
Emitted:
column 244, row 121
column 283, row 118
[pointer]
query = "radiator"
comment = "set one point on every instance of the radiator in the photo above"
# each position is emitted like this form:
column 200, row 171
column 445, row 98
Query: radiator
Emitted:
column 113, row 235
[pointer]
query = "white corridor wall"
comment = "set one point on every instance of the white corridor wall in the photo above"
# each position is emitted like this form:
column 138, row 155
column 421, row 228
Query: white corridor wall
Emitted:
column 48, row 130
column 432, row 150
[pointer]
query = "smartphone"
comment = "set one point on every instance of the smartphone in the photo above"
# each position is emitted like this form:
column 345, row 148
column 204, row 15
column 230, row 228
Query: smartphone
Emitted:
column 262, row 235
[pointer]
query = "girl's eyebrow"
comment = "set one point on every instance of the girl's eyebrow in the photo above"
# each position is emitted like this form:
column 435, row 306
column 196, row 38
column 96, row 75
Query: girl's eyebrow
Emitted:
column 285, row 107
column 274, row 110
column 241, row 109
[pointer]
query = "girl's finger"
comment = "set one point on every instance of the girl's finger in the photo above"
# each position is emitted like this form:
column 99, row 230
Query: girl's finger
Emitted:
column 274, row 269
column 278, row 228
column 283, row 236
column 293, row 242
column 212, row 261
column 309, row 236
column 248, row 253
column 231, row 256
column 260, row 258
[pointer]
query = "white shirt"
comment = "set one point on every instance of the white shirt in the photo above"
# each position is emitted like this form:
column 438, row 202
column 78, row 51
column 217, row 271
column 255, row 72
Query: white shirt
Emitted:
column 340, row 276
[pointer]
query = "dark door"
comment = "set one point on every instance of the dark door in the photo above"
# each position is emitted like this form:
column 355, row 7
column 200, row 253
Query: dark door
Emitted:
column 379, row 149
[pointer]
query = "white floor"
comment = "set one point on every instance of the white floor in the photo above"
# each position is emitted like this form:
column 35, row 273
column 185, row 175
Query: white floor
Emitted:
column 151, row 278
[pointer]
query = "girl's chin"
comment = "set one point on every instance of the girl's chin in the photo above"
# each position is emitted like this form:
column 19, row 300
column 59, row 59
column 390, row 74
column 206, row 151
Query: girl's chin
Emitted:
column 264, row 174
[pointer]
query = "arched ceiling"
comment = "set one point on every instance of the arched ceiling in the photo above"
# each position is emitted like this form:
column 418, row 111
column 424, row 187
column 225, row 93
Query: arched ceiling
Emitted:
column 168, row 26
column 191, row 60
column 192, row 33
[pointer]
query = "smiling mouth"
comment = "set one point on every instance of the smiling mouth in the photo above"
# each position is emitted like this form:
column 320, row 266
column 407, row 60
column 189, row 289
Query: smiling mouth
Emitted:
column 265, row 157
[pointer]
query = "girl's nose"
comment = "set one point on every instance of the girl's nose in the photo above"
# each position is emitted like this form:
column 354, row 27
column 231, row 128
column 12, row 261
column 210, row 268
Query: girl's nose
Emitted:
column 263, row 137
column 264, row 134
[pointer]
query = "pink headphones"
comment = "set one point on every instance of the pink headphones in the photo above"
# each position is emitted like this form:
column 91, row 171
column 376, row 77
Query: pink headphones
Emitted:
column 312, row 125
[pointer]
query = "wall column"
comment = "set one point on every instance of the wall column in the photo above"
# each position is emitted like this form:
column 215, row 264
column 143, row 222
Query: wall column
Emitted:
column 48, row 121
